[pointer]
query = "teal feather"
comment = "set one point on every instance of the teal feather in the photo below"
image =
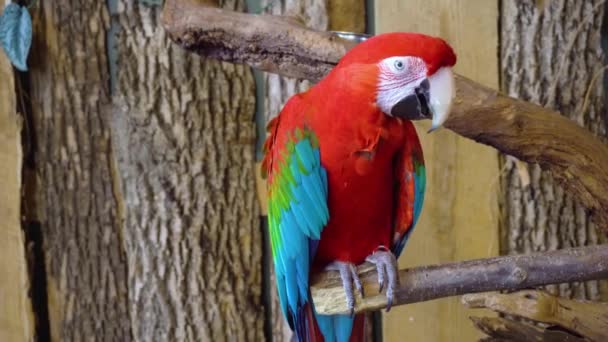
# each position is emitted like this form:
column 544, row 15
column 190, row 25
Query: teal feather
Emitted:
column 419, row 179
column 324, row 181
column 343, row 327
column 303, row 222
column 336, row 328
column 309, row 187
column 419, row 188
column 292, row 289
column 297, row 214
column 326, row 325
column 304, row 152
column 282, row 291
column 302, row 268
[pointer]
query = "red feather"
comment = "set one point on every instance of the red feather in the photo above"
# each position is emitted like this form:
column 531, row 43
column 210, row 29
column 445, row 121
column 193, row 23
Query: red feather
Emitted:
column 360, row 147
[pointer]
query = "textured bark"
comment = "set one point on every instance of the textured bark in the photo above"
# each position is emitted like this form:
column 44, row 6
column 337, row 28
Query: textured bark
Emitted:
column 270, row 43
column 77, row 209
column 184, row 136
column 550, row 54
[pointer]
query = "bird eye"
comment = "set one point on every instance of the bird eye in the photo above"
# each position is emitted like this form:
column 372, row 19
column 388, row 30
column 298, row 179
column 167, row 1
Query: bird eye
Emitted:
column 399, row 65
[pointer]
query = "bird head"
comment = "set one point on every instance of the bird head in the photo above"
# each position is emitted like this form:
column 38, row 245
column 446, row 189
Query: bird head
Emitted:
column 410, row 74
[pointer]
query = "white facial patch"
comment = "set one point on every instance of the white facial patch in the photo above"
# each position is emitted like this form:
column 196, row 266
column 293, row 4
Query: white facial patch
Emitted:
column 398, row 78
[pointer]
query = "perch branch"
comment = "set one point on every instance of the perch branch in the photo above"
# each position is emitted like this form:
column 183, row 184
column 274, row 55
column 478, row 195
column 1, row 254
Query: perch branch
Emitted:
column 493, row 274
column 589, row 319
column 281, row 45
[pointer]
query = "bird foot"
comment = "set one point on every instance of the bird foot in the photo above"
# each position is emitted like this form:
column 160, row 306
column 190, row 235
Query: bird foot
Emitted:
column 386, row 265
column 348, row 274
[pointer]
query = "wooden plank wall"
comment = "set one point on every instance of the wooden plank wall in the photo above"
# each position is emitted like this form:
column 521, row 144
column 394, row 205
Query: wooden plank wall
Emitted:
column 460, row 215
column 16, row 317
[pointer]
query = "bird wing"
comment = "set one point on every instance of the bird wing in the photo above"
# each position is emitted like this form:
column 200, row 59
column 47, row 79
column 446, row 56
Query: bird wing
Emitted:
column 411, row 184
column 297, row 207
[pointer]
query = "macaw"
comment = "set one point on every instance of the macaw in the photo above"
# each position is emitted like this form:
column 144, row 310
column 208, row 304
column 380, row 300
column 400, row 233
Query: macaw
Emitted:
column 346, row 175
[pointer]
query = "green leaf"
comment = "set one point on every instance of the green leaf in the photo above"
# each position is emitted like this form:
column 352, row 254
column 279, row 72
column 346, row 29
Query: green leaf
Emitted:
column 16, row 34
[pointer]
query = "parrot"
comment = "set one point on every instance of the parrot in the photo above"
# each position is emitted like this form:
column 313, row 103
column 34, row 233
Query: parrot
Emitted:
column 346, row 174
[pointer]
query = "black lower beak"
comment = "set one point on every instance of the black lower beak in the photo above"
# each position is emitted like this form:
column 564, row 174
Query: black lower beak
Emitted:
column 415, row 106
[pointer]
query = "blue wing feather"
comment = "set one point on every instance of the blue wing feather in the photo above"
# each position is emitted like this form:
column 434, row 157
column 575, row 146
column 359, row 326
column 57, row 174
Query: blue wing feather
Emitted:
column 297, row 214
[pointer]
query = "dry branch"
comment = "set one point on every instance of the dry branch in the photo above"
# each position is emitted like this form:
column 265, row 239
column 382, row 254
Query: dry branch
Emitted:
column 529, row 132
column 500, row 273
column 502, row 329
column 589, row 319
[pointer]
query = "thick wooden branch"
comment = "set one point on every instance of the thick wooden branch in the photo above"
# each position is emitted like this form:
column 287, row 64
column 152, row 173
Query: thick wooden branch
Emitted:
column 500, row 273
column 271, row 43
column 529, row 132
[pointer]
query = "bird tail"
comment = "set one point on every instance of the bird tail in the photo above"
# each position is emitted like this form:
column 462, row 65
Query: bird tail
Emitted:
column 335, row 328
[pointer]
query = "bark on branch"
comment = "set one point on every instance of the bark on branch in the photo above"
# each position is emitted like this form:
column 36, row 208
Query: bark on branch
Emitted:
column 430, row 282
column 502, row 329
column 589, row 319
column 529, row 132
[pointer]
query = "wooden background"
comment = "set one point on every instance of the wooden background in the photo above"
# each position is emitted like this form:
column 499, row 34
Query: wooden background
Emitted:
column 460, row 215
column 16, row 316
column 128, row 208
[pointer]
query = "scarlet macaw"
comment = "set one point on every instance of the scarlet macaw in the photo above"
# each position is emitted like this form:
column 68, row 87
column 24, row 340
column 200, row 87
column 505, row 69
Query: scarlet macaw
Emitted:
column 346, row 175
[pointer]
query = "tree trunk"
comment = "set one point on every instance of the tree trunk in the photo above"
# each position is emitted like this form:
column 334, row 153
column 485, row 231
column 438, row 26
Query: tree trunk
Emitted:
column 184, row 139
column 551, row 51
column 147, row 207
column 77, row 206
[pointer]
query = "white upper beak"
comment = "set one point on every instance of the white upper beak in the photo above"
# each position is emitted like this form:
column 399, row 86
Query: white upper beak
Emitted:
column 442, row 91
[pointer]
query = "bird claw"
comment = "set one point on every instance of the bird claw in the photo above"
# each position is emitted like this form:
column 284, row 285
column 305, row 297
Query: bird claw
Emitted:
column 386, row 266
column 350, row 278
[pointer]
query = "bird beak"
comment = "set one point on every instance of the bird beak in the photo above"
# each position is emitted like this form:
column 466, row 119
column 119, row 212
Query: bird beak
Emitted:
column 441, row 95
column 432, row 99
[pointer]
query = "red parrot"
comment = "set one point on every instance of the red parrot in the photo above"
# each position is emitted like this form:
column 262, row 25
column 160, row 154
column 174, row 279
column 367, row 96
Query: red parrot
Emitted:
column 346, row 175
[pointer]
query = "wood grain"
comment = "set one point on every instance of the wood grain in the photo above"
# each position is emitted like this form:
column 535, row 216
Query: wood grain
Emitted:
column 16, row 315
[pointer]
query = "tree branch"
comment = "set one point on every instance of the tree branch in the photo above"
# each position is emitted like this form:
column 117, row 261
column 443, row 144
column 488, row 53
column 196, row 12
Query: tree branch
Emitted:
column 282, row 45
column 587, row 318
column 502, row 329
column 430, row 282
